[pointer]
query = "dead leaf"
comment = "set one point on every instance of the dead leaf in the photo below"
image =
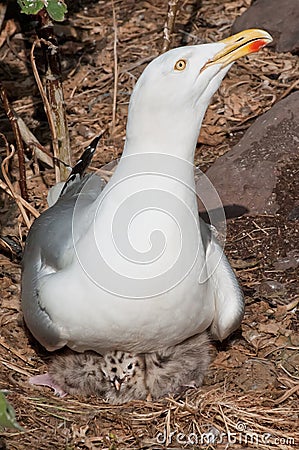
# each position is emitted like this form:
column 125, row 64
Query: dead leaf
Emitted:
column 269, row 328
column 9, row 29
column 211, row 135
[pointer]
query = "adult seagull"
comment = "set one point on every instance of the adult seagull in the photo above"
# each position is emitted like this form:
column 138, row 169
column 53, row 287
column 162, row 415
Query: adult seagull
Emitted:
column 130, row 266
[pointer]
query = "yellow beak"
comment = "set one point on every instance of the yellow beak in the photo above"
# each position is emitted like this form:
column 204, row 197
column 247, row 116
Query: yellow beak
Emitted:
column 240, row 44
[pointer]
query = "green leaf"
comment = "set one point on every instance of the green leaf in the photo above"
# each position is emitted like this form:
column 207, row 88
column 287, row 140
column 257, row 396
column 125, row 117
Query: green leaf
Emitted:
column 7, row 414
column 56, row 9
column 31, row 6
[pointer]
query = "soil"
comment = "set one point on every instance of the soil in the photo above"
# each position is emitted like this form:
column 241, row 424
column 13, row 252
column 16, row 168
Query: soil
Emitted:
column 250, row 396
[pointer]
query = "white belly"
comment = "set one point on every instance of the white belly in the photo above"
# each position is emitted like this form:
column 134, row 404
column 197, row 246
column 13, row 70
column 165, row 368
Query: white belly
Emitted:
column 92, row 318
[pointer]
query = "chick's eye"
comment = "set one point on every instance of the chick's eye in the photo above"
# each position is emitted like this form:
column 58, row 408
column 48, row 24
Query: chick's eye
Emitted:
column 180, row 65
column 130, row 366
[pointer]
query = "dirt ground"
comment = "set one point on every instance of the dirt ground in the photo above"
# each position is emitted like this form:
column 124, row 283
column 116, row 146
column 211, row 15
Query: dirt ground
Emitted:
column 250, row 396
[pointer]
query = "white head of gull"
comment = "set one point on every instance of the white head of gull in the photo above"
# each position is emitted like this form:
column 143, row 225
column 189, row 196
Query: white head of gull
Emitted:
column 131, row 266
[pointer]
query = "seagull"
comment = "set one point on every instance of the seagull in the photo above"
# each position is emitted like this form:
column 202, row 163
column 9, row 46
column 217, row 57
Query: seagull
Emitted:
column 129, row 265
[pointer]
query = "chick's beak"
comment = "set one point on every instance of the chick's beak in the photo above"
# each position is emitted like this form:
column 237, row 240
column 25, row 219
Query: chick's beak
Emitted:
column 117, row 383
column 240, row 44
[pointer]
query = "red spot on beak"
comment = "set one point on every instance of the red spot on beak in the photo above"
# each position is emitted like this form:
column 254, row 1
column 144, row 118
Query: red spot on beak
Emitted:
column 256, row 45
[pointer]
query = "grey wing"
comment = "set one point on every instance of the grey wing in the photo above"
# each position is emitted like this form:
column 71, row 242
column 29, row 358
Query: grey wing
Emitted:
column 50, row 238
column 50, row 248
column 51, row 234
column 224, row 289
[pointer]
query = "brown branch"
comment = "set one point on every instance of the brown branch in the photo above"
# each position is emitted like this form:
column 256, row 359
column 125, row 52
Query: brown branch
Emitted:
column 53, row 83
column 19, row 200
column 30, row 140
column 3, row 9
column 169, row 24
column 286, row 395
column 47, row 108
column 8, row 188
column 115, row 68
column 19, row 143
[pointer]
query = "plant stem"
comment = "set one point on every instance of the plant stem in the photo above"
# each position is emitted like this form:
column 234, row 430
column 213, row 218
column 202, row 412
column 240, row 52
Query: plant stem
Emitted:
column 169, row 24
column 53, row 82
column 19, row 143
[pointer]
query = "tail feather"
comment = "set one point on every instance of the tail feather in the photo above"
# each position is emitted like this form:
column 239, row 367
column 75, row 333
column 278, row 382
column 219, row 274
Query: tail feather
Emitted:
column 80, row 167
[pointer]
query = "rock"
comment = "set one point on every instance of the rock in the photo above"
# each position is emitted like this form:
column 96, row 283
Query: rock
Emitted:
column 294, row 214
column 279, row 18
column 291, row 261
column 247, row 175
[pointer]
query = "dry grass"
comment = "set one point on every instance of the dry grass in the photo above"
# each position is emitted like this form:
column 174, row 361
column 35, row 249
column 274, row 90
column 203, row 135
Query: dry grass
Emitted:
column 251, row 393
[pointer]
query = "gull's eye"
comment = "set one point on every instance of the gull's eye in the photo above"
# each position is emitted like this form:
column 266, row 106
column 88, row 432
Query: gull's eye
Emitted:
column 130, row 366
column 180, row 65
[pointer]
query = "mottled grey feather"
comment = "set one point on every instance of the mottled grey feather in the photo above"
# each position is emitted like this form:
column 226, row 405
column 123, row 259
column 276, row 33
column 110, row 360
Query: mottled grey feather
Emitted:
column 173, row 369
column 89, row 373
column 79, row 374
column 168, row 371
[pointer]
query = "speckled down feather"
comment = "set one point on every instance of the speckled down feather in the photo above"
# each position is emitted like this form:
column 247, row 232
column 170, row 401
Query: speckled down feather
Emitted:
column 153, row 375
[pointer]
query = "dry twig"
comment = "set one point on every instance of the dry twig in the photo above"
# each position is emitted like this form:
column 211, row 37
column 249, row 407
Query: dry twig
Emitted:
column 8, row 188
column 47, row 108
column 115, row 68
column 53, row 85
column 30, row 140
column 19, row 143
column 11, row 189
column 169, row 24
column 53, row 101
column 3, row 8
